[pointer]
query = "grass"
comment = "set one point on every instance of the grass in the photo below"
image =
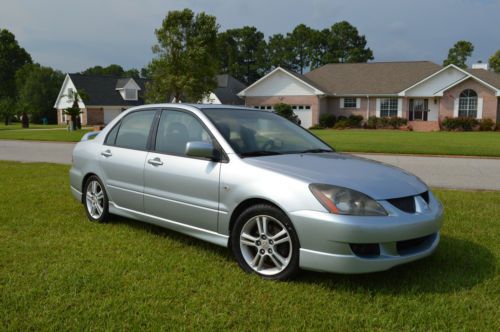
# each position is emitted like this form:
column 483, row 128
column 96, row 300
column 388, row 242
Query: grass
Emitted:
column 18, row 126
column 60, row 272
column 433, row 143
column 59, row 135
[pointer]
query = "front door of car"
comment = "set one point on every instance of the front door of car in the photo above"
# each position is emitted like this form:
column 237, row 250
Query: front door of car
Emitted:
column 122, row 159
column 177, row 187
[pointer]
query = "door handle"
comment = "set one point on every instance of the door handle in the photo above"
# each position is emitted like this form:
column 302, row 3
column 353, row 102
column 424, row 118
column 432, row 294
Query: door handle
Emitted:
column 106, row 153
column 155, row 162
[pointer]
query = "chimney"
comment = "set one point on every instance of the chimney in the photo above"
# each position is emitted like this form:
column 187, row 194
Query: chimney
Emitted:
column 480, row 65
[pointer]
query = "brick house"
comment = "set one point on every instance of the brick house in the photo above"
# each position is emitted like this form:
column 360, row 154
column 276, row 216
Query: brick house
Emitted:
column 107, row 97
column 420, row 91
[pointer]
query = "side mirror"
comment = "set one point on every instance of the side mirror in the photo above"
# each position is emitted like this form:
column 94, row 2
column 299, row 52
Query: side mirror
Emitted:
column 201, row 149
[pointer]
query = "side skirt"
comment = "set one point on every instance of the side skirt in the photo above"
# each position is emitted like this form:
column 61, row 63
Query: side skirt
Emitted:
column 202, row 234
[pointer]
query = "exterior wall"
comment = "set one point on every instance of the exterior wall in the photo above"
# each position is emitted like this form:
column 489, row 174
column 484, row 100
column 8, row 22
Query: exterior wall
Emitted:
column 95, row 116
column 436, row 83
column 314, row 101
column 490, row 101
column 280, row 83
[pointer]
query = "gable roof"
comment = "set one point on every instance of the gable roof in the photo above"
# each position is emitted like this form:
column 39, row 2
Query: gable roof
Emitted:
column 371, row 78
column 101, row 90
column 308, row 82
column 227, row 90
column 487, row 76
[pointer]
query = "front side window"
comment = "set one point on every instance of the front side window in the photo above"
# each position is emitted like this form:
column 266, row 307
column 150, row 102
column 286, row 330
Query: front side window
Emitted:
column 388, row 107
column 134, row 130
column 257, row 133
column 175, row 130
column 349, row 103
column 467, row 104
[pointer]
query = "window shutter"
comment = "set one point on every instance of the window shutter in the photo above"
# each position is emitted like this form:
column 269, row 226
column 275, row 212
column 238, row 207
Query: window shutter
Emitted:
column 479, row 108
column 400, row 107
column 455, row 107
column 377, row 110
column 358, row 102
column 342, row 103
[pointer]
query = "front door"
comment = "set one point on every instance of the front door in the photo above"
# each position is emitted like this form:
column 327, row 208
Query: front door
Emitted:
column 418, row 110
column 177, row 187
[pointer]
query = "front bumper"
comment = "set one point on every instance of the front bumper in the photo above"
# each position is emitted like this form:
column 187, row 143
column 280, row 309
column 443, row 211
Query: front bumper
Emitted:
column 327, row 240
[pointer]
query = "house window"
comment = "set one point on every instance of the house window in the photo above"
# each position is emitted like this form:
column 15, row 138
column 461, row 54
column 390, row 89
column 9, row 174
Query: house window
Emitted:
column 388, row 107
column 418, row 109
column 349, row 103
column 467, row 104
column 130, row 94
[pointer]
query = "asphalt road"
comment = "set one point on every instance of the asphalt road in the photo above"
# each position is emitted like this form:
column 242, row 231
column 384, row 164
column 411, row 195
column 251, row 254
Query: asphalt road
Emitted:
column 442, row 172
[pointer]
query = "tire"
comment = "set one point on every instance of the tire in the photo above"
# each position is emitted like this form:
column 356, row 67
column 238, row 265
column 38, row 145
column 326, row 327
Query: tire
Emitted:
column 264, row 242
column 95, row 200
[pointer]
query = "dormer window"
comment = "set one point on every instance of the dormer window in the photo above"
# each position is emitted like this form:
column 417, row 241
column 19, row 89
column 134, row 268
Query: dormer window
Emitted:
column 130, row 94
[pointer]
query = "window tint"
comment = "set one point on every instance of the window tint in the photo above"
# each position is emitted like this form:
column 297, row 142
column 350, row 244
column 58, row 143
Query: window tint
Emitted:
column 110, row 140
column 134, row 130
column 176, row 129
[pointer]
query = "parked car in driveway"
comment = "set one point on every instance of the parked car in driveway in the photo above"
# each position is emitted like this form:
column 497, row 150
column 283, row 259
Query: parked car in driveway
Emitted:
column 276, row 195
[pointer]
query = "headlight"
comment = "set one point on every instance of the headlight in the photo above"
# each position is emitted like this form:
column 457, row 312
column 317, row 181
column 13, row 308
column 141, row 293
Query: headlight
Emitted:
column 341, row 200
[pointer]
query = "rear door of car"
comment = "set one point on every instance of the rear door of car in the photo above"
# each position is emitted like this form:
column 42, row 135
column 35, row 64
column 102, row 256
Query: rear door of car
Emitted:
column 122, row 158
column 177, row 187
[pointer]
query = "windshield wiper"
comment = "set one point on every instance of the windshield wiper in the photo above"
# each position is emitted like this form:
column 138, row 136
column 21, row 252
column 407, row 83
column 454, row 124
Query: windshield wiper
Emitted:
column 258, row 153
column 315, row 151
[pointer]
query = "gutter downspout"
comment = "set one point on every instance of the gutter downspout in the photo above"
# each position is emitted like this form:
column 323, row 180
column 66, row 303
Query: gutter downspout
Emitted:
column 368, row 107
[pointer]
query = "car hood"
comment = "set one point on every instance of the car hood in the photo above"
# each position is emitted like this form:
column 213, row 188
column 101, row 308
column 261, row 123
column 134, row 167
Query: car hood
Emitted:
column 378, row 180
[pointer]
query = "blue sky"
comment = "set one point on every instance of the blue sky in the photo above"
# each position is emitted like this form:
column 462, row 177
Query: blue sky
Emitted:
column 73, row 35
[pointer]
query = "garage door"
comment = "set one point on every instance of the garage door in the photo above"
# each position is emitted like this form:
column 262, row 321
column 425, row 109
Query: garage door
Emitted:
column 305, row 116
column 109, row 115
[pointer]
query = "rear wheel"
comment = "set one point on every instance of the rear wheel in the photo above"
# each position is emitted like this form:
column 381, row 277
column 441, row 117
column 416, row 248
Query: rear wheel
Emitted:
column 96, row 201
column 265, row 242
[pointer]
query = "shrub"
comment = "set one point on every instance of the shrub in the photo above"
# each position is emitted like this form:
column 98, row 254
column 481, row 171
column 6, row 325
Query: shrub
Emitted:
column 286, row 111
column 396, row 122
column 341, row 124
column 393, row 122
column 459, row 124
column 327, row 120
column 316, row 127
column 354, row 121
column 486, row 125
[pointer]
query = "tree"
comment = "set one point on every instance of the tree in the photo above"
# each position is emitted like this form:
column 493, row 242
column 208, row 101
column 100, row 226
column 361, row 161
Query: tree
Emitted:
column 74, row 111
column 38, row 87
column 459, row 53
column 111, row 70
column 7, row 109
column 243, row 53
column 12, row 57
column 319, row 47
column 279, row 52
column 301, row 47
column 494, row 62
column 346, row 45
column 186, row 62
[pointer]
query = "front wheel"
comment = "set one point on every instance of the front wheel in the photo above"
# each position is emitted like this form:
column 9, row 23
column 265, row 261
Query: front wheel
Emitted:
column 264, row 242
column 96, row 201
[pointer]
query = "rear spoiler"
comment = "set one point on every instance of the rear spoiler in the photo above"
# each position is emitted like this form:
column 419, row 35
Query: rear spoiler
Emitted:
column 89, row 136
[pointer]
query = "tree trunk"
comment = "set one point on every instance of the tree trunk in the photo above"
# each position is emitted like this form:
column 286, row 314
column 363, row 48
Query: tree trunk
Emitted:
column 177, row 97
column 25, row 120
column 7, row 120
column 73, row 122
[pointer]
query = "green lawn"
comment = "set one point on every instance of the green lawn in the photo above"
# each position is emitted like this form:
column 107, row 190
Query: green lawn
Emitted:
column 17, row 126
column 60, row 135
column 393, row 141
column 60, row 272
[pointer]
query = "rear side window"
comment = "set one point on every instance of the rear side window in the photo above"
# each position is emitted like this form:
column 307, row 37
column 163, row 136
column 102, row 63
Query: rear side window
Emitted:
column 134, row 130
column 110, row 140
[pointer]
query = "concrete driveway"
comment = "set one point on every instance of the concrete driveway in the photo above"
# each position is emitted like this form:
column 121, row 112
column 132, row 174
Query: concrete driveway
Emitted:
column 443, row 172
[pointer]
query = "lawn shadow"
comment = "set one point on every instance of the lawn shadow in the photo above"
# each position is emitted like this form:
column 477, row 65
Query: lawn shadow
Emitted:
column 179, row 237
column 457, row 264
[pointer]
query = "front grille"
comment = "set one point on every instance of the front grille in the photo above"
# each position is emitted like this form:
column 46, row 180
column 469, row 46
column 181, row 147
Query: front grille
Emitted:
column 365, row 250
column 406, row 204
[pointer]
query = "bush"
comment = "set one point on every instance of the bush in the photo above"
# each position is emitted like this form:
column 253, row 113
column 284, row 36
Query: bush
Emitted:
column 354, row 121
column 486, row 125
column 459, row 124
column 393, row 122
column 286, row 111
column 316, row 127
column 341, row 124
column 327, row 120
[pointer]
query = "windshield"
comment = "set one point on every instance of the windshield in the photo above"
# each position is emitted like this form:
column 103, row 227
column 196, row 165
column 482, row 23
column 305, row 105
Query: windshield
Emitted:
column 254, row 133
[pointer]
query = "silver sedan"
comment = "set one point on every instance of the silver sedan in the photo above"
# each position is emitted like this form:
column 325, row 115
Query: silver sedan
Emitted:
column 276, row 195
